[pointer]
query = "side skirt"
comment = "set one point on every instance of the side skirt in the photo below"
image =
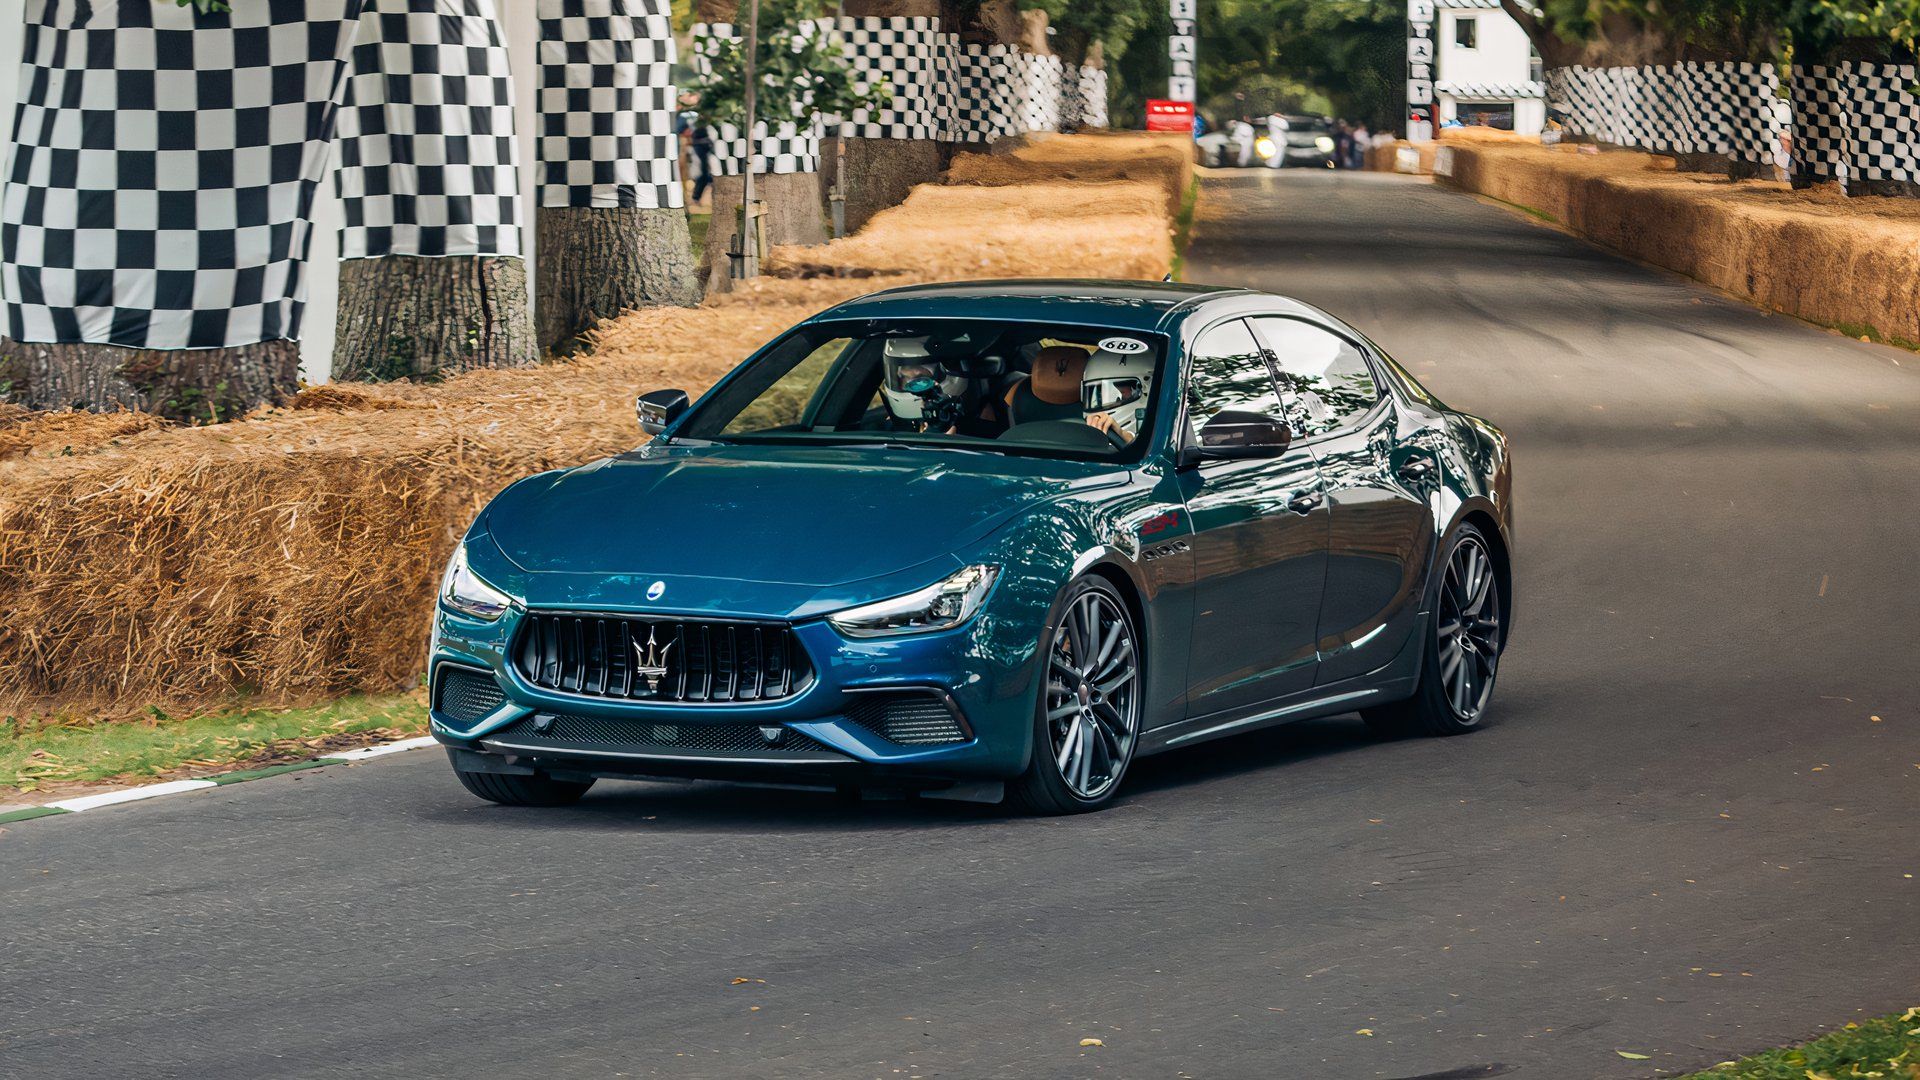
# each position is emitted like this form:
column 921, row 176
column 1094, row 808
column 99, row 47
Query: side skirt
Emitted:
column 1394, row 681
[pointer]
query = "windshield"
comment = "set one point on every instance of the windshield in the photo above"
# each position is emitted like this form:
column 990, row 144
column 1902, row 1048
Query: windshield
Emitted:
column 1032, row 389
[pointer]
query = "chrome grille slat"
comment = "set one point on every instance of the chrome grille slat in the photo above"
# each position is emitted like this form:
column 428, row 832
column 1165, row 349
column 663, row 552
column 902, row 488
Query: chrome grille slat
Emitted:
column 600, row 656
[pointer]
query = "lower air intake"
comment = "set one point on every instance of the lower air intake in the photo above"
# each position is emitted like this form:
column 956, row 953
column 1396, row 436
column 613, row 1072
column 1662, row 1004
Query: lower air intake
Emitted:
column 910, row 719
column 465, row 696
column 588, row 733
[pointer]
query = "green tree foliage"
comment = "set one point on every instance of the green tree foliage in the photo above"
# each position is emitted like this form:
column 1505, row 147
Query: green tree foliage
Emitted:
column 800, row 71
column 1345, row 57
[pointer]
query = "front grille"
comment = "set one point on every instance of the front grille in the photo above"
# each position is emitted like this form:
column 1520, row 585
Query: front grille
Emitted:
column 909, row 719
column 620, row 657
column 643, row 736
column 465, row 696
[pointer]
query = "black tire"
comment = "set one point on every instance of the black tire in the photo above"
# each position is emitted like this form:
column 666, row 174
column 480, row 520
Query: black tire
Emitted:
column 511, row 790
column 1464, row 642
column 1109, row 706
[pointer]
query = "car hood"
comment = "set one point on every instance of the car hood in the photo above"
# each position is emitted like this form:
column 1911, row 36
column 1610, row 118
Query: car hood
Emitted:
column 776, row 514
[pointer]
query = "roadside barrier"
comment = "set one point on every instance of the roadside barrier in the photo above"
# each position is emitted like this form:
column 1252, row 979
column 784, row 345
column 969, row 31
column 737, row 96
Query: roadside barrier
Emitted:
column 1847, row 263
column 293, row 555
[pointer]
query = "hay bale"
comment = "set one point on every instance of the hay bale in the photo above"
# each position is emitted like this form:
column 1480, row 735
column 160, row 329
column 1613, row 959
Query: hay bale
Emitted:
column 294, row 554
column 1850, row 263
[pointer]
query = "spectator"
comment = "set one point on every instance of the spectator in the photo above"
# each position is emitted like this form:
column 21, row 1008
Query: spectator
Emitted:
column 1342, row 145
column 1358, row 142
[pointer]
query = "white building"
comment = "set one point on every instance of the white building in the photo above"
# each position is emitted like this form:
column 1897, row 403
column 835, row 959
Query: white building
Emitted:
column 1485, row 70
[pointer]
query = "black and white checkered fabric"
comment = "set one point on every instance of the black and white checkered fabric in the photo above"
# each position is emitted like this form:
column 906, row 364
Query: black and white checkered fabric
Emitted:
column 914, row 58
column 1040, row 89
column 1092, row 97
column 1884, row 122
column 428, row 160
column 161, row 184
column 1820, row 121
column 1707, row 108
column 607, row 105
column 786, row 146
column 988, row 84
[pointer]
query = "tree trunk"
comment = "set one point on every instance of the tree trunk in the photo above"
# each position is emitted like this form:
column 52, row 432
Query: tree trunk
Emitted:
column 794, row 216
column 192, row 385
column 412, row 316
column 596, row 262
column 880, row 172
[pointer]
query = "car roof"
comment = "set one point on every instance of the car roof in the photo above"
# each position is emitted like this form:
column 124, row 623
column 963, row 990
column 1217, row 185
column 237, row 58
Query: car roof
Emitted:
column 1128, row 305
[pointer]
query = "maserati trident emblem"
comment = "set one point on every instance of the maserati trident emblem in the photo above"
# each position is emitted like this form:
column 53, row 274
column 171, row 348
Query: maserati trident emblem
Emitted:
column 651, row 661
column 654, row 590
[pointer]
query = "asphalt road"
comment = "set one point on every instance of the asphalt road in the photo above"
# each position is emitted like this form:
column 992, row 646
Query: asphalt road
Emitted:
column 1682, row 836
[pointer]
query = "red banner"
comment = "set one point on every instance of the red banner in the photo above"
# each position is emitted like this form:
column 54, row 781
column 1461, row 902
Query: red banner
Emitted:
column 1164, row 115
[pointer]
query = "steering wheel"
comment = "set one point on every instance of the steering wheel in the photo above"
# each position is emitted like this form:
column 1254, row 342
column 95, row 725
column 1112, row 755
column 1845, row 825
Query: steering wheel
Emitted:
column 1113, row 436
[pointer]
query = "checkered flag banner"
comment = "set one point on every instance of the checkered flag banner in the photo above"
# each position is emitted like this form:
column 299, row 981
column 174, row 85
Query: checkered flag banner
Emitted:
column 428, row 160
column 161, row 184
column 787, row 146
column 607, row 105
column 1692, row 108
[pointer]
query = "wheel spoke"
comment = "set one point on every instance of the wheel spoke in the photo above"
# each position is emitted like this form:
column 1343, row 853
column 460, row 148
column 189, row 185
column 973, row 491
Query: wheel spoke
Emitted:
column 1077, row 635
column 1060, row 663
column 1121, row 656
column 1063, row 711
column 1068, row 745
column 1107, row 688
column 1111, row 725
column 1114, row 633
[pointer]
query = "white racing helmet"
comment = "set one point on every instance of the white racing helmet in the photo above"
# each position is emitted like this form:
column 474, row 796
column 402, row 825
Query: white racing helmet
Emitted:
column 1118, row 383
column 910, row 372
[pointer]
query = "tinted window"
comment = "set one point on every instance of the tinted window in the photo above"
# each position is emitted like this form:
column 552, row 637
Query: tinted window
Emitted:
column 1229, row 373
column 1324, row 376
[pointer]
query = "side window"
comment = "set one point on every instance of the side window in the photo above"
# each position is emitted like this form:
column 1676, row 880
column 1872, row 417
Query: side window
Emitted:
column 1325, row 375
column 1228, row 373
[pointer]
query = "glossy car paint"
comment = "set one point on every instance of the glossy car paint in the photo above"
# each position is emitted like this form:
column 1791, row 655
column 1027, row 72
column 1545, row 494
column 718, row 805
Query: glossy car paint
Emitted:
column 1224, row 569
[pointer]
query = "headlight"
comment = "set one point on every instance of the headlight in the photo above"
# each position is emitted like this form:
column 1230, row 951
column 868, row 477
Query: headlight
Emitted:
column 1325, row 144
column 941, row 606
column 1263, row 146
column 463, row 591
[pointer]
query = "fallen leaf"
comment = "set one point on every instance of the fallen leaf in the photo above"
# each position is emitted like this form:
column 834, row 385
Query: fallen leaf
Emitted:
column 1631, row 1056
column 1091, row 1042
column 1368, row 1032
column 737, row 980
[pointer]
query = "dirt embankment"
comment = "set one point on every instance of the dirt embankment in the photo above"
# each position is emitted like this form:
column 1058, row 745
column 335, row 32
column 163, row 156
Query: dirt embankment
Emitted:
column 294, row 554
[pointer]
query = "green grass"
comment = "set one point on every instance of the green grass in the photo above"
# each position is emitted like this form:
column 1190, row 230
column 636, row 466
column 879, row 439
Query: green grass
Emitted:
column 697, row 225
column 34, row 752
column 1183, row 228
column 1887, row 1047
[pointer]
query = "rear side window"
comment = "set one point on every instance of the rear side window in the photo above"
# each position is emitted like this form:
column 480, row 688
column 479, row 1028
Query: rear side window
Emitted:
column 1323, row 375
column 1229, row 373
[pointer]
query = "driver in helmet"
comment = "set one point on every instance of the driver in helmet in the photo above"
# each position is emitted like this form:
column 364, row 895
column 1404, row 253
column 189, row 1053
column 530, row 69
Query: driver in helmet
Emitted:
column 1113, row 392
column 917, row 390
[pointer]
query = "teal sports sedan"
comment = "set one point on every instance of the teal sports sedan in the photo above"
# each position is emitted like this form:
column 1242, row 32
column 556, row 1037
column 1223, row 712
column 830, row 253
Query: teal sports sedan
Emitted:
column 986, row 540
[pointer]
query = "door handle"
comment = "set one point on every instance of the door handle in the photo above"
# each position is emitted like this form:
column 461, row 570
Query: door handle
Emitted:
column 1416, row 470
column 1304, row 502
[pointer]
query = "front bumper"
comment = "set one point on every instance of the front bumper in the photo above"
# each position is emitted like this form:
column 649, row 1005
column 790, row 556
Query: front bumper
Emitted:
column 812, row 735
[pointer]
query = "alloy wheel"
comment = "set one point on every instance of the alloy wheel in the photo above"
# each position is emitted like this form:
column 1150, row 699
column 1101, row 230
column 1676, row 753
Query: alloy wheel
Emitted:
column 1468, row 627
column 1093, row 695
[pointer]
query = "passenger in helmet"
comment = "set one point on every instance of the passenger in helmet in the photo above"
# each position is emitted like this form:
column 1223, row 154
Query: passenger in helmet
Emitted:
column 916, row 388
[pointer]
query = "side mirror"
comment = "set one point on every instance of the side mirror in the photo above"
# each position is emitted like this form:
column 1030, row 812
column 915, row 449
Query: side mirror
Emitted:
column 658, row 408
column 1232, row 434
